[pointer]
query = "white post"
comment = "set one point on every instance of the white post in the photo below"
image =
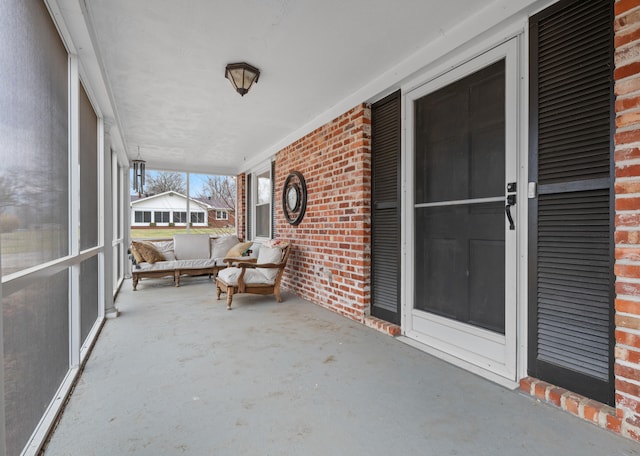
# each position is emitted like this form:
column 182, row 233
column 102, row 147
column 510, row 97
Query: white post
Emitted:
column 108, row 197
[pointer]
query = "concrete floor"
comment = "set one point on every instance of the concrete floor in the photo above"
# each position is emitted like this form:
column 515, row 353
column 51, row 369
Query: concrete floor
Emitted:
column 177, row 374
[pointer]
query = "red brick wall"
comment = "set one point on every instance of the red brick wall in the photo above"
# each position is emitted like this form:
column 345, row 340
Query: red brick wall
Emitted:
column 627, row 235
column 241, row 202
column 215, row 223
column 330, row 262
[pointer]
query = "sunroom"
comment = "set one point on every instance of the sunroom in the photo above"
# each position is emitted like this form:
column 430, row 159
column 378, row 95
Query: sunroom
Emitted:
column 462, row 176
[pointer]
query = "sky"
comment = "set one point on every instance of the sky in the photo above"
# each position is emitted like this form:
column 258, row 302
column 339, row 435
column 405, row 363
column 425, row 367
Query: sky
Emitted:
column 197, row 182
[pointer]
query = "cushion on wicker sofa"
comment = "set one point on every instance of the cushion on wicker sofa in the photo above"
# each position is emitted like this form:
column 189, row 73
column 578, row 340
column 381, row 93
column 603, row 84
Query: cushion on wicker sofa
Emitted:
column 191, row 246
column 222, row 245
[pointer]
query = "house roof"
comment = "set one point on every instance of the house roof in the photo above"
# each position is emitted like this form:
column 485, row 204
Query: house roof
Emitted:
column 208, row 202
column 213, row 202
column 196, row 201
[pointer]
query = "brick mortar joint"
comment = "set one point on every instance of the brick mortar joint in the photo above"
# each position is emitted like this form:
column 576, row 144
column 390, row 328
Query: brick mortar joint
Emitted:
column 630, row 26
column 630, row 127
column 622, row 180
column 626, row 46
column 629, row 95
column 629, row 11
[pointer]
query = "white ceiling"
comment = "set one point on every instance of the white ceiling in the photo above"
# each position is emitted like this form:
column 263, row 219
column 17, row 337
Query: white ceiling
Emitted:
column 162, row 66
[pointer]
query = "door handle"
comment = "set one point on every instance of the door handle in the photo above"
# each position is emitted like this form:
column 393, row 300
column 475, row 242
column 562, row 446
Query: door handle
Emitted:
column 511, row 201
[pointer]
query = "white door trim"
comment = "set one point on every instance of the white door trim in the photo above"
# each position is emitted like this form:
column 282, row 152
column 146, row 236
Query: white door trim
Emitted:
column 495, row 356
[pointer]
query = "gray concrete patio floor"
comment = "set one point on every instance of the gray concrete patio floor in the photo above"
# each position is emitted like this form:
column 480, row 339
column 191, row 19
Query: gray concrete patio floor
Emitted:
column 177, row 374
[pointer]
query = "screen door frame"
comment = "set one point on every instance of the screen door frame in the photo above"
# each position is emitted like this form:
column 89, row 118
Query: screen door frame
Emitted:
column 490, row 352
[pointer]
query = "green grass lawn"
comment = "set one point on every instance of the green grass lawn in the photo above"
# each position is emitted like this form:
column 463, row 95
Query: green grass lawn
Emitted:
column 166, row 233
column 28, row 241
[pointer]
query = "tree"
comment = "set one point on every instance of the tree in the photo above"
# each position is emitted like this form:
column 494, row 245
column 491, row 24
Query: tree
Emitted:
column 8, row 193
column 161, row 181
column 221, row 189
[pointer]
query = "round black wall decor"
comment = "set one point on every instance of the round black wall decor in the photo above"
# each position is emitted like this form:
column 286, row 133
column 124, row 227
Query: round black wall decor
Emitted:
column 294, row 198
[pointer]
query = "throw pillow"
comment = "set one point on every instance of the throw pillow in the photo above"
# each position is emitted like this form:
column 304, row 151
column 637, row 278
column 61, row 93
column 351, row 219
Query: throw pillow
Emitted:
column 276, row 243
column 269, row 255
column 239, row 249
column 169, row 255
column 148, row 252
column 135, row 253
column 166, row 248
column 222, row 245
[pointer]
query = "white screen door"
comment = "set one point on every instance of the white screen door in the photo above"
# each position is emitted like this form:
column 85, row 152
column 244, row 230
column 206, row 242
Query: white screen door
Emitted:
column 463, row 152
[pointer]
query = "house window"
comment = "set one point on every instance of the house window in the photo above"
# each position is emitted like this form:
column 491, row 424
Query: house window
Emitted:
column 222, row 215
column 143, row 217
column 197, row 217
column 161, row 216
column 180, row 217
column 263, row 204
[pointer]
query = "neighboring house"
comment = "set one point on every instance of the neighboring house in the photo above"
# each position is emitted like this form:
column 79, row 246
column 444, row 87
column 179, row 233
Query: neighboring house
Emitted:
column 220, row 216
column 168, row 209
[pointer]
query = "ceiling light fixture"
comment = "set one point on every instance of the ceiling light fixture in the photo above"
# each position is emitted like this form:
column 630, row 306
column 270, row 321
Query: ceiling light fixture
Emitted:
column 242, row 76
column 138, row 174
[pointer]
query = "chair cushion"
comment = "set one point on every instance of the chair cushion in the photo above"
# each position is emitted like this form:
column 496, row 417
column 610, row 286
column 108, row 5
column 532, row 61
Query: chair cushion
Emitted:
column 222, row 245
column 191, row 246
column 148, row 252
column 182, row 265
column 269, row 255
column 255, row 249
column 251, row 276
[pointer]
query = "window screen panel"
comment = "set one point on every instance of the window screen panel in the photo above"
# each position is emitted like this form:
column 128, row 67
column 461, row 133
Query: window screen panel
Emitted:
column 88, row 173
column 34, row 190
column 460, row 138
column 36, row 353
column 88, row 296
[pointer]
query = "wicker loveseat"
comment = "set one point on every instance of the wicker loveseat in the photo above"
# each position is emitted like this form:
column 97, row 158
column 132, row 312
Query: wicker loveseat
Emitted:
column 185, row 254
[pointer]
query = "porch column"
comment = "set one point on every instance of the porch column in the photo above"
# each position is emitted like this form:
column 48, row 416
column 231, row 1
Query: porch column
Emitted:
column 110, row 310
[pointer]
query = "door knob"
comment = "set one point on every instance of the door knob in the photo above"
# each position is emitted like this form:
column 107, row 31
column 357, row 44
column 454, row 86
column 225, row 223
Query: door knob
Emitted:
column 511, row 201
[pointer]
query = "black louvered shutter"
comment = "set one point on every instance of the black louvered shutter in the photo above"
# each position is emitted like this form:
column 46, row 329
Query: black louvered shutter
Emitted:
column 571, row 242
column 385, row 239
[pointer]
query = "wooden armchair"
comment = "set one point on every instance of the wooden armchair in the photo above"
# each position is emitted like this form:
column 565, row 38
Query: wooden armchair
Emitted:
column 261, row 276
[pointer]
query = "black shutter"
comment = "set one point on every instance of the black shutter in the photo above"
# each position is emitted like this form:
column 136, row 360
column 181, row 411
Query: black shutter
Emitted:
column 571, row 241
column 385, row 220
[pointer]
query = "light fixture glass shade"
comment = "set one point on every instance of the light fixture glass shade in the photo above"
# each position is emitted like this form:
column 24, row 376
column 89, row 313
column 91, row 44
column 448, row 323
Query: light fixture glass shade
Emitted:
column 242, row 76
